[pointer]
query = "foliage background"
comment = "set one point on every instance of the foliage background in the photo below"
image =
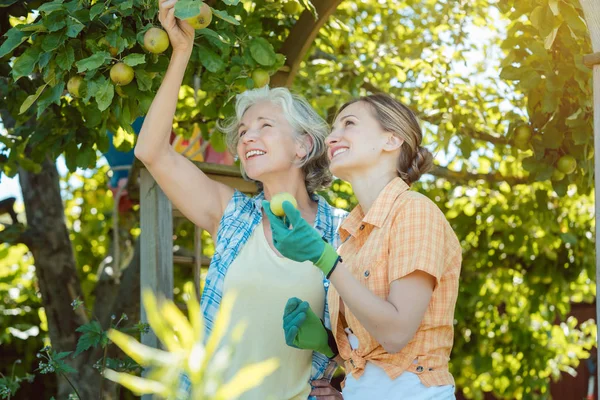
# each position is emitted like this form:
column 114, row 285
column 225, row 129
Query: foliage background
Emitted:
column 472, row 70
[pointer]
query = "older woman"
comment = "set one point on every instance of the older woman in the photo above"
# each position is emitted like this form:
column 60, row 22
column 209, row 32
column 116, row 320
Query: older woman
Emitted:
column 280, row 141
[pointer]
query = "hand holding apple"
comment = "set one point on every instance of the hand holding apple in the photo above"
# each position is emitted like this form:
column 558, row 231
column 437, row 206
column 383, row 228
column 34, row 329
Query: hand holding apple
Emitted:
column 181, row 33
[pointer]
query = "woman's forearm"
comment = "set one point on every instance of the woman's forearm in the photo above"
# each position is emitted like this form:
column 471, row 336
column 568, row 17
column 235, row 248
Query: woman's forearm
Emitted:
column 379, row 317
column 154, row 135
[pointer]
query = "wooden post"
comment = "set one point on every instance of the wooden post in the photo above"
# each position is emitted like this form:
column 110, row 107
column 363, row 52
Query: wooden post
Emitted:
column 156, row 270
column 591, row 10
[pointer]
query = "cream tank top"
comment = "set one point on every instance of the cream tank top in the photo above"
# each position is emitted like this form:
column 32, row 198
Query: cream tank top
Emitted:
column 263, row 282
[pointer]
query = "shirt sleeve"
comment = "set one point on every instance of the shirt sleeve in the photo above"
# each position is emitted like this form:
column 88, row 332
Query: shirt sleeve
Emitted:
column 417, row 240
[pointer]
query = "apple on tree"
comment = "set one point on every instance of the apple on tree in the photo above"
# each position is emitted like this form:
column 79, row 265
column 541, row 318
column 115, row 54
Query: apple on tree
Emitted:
column 73, row 85
column 156, row 40
column 522, row 135
column 121, row 74
column 567, row 164
column 201, row 20
column 260, row 77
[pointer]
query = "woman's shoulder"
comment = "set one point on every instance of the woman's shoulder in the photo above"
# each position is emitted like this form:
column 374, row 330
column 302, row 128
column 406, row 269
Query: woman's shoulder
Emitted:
column 414, row 204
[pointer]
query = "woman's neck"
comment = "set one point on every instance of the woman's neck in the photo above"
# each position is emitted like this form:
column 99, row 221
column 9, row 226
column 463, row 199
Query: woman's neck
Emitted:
column 296, row 188
column 367, row 187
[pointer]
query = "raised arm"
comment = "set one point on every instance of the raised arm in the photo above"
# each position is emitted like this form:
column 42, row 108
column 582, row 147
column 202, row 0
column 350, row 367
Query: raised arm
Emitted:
column 198, row 197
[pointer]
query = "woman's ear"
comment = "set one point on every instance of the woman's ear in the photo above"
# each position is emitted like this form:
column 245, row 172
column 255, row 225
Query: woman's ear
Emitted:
column 304, row 146
column 393, row 142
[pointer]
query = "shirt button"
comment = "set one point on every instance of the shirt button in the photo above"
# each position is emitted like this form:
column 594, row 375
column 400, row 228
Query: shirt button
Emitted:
column 419, row 368
column 362, row 227
column 367, row 273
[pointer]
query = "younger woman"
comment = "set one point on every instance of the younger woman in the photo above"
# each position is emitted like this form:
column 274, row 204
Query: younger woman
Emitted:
column 395, row 279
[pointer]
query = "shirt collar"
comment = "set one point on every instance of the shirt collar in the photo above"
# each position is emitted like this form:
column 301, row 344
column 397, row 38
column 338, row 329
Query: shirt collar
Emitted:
column 378, row 212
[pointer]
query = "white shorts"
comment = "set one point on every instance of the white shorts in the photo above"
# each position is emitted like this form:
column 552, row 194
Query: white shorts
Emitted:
column 374, row 383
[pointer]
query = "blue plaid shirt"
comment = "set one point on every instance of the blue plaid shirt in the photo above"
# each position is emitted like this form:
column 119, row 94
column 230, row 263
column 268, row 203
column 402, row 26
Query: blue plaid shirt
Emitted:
column 241, row 216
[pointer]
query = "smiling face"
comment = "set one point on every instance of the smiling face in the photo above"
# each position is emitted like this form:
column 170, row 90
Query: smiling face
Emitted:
column 358, row 142
column 267, row 146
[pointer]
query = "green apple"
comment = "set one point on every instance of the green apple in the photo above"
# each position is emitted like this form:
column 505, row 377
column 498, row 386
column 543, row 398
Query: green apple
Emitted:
column 260, row 77
column 121, row 74
column 201, row 20
column 277, row 203
column 522, row 133
column 558, row 175
column 74, row 84
column 292, row 7
column 156, row 40
column 567, row 164
column 112, row 50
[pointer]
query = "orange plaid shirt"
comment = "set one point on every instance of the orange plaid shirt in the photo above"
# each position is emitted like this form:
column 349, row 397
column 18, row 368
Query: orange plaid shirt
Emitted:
column 403, row 231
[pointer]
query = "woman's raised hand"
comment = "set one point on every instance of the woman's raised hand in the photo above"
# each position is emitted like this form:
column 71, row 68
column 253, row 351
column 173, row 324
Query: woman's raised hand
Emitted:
column 181, row 33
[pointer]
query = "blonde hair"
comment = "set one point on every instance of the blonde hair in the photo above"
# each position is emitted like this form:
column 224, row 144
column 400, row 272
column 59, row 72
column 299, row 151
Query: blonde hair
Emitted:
column 395, row 117
column 304, row 121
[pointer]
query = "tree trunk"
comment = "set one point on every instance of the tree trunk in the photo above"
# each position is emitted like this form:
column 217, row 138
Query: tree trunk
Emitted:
column 48, row 240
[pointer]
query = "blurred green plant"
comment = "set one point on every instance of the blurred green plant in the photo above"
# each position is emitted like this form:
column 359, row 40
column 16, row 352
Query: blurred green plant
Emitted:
column 187, row 353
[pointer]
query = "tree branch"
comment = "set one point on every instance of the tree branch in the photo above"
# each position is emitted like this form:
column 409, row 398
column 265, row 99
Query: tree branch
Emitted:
column 465, row 177
column 16, row 234
column 301, row 38
column 436, row 119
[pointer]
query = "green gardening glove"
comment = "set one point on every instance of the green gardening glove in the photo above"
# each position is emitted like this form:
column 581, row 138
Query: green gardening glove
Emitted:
column 300, row 241
column 304, row 330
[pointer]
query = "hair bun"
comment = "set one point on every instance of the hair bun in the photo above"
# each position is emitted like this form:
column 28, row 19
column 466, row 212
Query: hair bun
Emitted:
column 422, row 163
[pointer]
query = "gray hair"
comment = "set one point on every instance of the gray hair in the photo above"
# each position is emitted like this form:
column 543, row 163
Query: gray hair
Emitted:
column 304, row 121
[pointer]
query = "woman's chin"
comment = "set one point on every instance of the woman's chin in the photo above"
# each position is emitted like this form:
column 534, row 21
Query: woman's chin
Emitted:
column 338, row 169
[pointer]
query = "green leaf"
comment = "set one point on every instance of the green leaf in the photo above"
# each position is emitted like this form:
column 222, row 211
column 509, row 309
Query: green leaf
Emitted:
column 105, row 94
column 25, row 63
column 231, row 2
column 53, row 41
column 93, row 118
column 580, row 136
column 210, row 60
column 92, row 331
column 50, row 7
column 65, row 58
column 74, row 26
column 309, row 6
column 143, row 79
column 542, row 19
column 134, row 59
column 86, row 158
column 31, row 99
column 572, row 17
column 55, row 22
column 50, row 96
column 7, row 3
column 187, row 8
column 549, row 40
column 568, row 237
column 126, row 5
column 14, row 38
column 35, row 27
column 262, row 51
column 225, row 17
column 61, row 355
column 92, row 62
column 44, row 59
column 217, row 141
column 97, row 9
column 210, row 33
